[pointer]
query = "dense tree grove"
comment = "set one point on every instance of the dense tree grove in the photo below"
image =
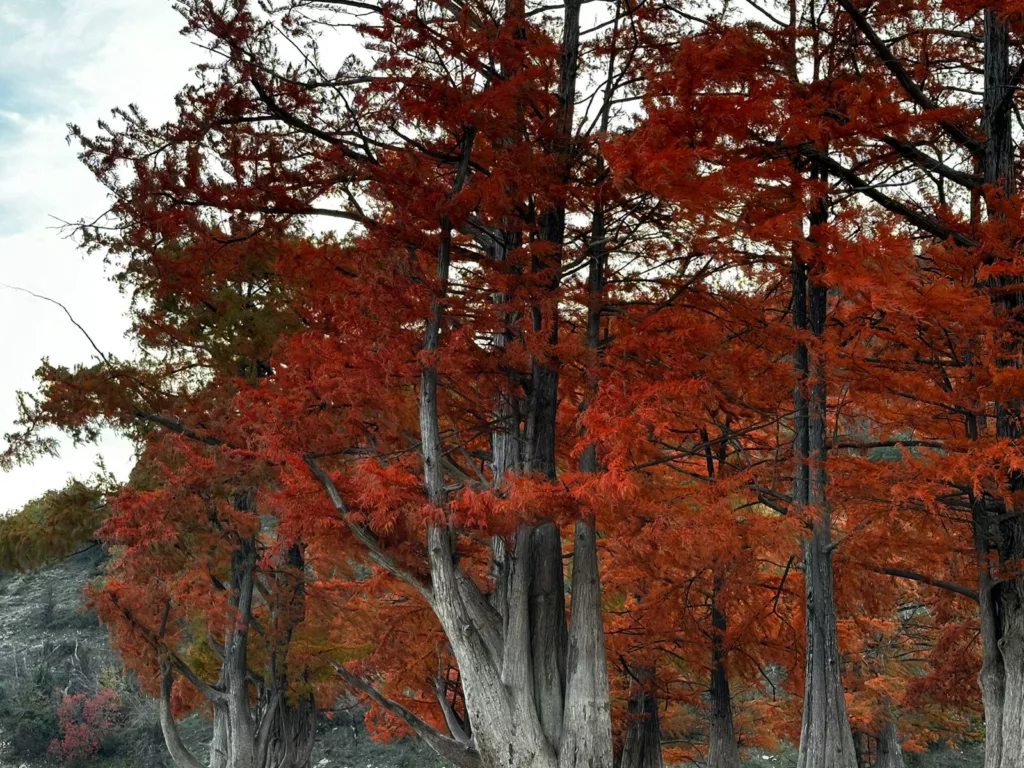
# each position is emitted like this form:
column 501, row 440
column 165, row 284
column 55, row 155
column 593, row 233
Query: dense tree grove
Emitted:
column 582, row 384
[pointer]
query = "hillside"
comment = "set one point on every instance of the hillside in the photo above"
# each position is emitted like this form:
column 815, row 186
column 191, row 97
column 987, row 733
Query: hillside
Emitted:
column 49, row 645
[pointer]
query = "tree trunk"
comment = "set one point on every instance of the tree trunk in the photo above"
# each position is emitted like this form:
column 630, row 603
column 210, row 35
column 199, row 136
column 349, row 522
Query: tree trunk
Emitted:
column 890, row 754
column 861, row 748
column 1001, row 606
column 548, row 640
column 219, row 746
column 271, row 732
column 826, row 740
column 587, row 730
column 508, row 702
column 723, row 751
column 535, row 692
column 641, row 747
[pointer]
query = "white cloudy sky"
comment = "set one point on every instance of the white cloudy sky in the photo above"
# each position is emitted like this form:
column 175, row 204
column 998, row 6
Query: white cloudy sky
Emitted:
column 66, row 61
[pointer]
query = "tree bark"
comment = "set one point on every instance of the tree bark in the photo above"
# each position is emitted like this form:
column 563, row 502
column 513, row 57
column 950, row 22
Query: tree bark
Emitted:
column 826, row 740
column 641, row 747
column 172, row 737
column 549, row 641
column 723, row 750
column 536, row 694
column 587, row 730
column 861, row 748
column 1001, row 605
column 270, row 731
column 890, row 753
column 219, row 747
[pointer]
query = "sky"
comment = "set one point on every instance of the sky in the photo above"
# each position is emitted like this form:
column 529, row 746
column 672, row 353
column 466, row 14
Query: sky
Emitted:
column 67, row 61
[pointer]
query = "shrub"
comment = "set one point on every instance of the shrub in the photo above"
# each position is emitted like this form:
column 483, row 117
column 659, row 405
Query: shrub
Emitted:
column 85, row 722
column 28, row 721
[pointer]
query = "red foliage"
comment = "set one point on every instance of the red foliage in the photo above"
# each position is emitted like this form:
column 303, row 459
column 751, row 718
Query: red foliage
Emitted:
column 84, row 722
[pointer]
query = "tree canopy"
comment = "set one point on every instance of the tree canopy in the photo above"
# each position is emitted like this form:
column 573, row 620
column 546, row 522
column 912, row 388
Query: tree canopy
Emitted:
column 580, row 384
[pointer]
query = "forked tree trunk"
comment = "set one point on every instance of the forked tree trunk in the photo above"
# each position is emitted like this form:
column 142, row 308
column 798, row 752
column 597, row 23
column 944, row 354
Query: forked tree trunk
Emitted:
column 273, row 732
column 536, row 692
column 498, row 670
column 826, row 740
column 641, row 746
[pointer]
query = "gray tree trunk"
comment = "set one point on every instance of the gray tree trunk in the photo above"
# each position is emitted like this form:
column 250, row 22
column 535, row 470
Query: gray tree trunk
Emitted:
column 1001, row 605
column 641, row 746
column 536, row 692
column 826, row 740
column 271, row 732
column 219, row 745
column 587, row 731
column 890, row 753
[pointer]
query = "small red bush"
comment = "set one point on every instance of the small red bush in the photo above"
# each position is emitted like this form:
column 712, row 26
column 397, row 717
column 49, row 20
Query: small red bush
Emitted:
column 84, row 722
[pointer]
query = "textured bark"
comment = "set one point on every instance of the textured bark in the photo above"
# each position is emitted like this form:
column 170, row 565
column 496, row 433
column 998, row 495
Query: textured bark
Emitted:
column 499, row 737
column 1001, row 605
column 287, row 729
column 172, row 738
column 268, row 730
column 826, row 740
column 587, row 730
column 241, row 726
column 861, row 747
column 1012, row 647
column 548, row 637
column 486, row 620
column 544, row 374
column 517, row 670
column 992, row 676
column 498, row 598
column 535, row 694
column 430, row 432
column 890, row 753
column 723, row 751
column 537, row 675
column 641, row 746
column 219, row 747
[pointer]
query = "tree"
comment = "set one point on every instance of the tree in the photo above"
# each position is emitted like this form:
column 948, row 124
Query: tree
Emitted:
column 670, row 338
column 431, row 115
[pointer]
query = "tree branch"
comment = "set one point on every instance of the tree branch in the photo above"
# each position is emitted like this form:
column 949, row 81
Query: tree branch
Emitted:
column 450, row 719
column 485, row 618
column 928, row 163
column 462, row 755
column 950, row 586
column 920, row 220
column 364, row 535
column 179, row 752
column 923, row 100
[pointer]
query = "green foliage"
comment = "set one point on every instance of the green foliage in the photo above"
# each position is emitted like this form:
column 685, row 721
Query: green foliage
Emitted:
column 28, row 715
column 53, row 526
column 946, row 756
